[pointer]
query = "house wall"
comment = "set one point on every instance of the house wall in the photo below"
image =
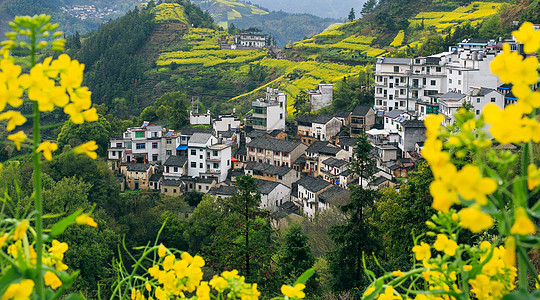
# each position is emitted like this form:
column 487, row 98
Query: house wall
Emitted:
column 325, row 132
column 174, row 191
column 411, row 136
column 478, row 102
column 275, row 198
column 226, row 124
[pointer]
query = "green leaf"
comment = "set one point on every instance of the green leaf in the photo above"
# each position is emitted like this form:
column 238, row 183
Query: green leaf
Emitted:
column 61, row 226
column 520, row 294
column 304, row 278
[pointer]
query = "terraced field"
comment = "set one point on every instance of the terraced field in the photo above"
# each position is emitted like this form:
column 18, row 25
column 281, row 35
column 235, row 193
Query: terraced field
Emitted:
column 474, row 12
column 169, row 12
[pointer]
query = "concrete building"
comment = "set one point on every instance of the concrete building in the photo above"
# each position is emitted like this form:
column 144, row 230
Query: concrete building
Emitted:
column 226, row 123
column 196, row 118
column 175, row 167
column 320, row 151
column 207, row 158
column 273, row 151
column 250, row 40
column 362, row 119
column 332, row 168
column 322, row 97
column 412, row 132
column 137, row 144
column 269, row 113
column 394, row 119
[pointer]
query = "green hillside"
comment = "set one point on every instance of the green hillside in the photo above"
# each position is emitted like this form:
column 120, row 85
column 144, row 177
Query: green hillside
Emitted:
column 389, row 27
column 225, row 12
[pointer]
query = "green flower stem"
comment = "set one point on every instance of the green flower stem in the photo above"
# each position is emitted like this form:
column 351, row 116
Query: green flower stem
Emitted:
column 522, row 259
column 37, row 185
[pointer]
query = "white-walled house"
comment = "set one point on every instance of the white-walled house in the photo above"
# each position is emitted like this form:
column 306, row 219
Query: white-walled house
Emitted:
column 175, row 167
column 321, row 127
column 137, row 144
column 480, row 97
column 449, row 103
column 394, row 119
column 225, row 123
column 273, row 194
column 309, row 189
column 207, row 158
column 196, row 118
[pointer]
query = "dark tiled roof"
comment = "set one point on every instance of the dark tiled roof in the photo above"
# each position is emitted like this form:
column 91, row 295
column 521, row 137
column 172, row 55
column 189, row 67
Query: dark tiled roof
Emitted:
column 223, row 190
column 267, row 168
column 137, row 167
column 241, row 151
column 256, row 133
column 308, row 120
column 171, row 182
column 300, row 160
column 335, row 195
column 200, row 138
column 204, row 180
column 274, row 144
column 414, row 124
column 226, row 134
column 155, row 177
column 334, row 162
column 176, row 161
column 323, row 147
column 347, row 141
column 361, row 110
column 342, row 114
column 393, row 113
column 379, row 180
column 313, row 184
column 453, row 96
column 191, row 131
column 396, row 61
column 275, row 132
column 266, row 187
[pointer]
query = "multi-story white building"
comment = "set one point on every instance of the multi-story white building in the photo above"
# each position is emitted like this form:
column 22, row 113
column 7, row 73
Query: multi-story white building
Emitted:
column 321, row 97
column 449, row 103
column 207, row 158
column 273, row 151
column 269, row 113
column 137, row 144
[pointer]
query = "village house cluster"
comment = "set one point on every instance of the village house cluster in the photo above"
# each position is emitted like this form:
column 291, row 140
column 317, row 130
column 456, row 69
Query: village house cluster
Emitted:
column 304, row 167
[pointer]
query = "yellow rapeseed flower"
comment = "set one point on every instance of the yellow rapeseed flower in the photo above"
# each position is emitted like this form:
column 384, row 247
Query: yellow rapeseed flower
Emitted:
column 398, row 273
column 533, row 176
column 84, row 219
column 19, row 291
column 162, row 251
column 474, row 219
column 10, row 89
column 3, row 239
column 509, row 251
column 422, row 251
column 523, row 225
column 219, row 283
column 528, row 36
column 18, row 138
column 433, row 123
column 369, row 291
column 88, row 148
column 443, row 243
column 471, row 185
column 509, row 125
column 527, row 98
column 203, row 291
column 512, row 68
column 47, row 148
column 14, row 119
column 52, row 280
column 20, row 230
column 58, row 249
column 293, row 292
column 389, row 294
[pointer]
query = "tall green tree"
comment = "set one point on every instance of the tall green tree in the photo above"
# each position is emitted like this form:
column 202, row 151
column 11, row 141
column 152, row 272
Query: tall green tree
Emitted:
column 362, row 164
column 351, row 15
column 368, row 6
column 75, row 134
column 243, row 238
column 301, row 103
column 353, row 239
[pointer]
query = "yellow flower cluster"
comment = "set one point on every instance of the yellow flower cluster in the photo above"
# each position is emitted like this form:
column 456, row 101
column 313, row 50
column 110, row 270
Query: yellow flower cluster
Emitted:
column 173, row 277
column 294, row 292
column 449, row 184
column 498, row 274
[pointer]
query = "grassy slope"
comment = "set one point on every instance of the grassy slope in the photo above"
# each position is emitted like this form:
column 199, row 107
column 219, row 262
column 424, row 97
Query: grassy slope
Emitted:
column 225, row 12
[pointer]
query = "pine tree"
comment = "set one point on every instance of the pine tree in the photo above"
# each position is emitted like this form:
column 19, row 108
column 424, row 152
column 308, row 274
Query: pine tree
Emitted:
column 351, row 16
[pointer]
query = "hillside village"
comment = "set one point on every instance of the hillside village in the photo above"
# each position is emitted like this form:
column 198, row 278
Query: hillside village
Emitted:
column 304, row 167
